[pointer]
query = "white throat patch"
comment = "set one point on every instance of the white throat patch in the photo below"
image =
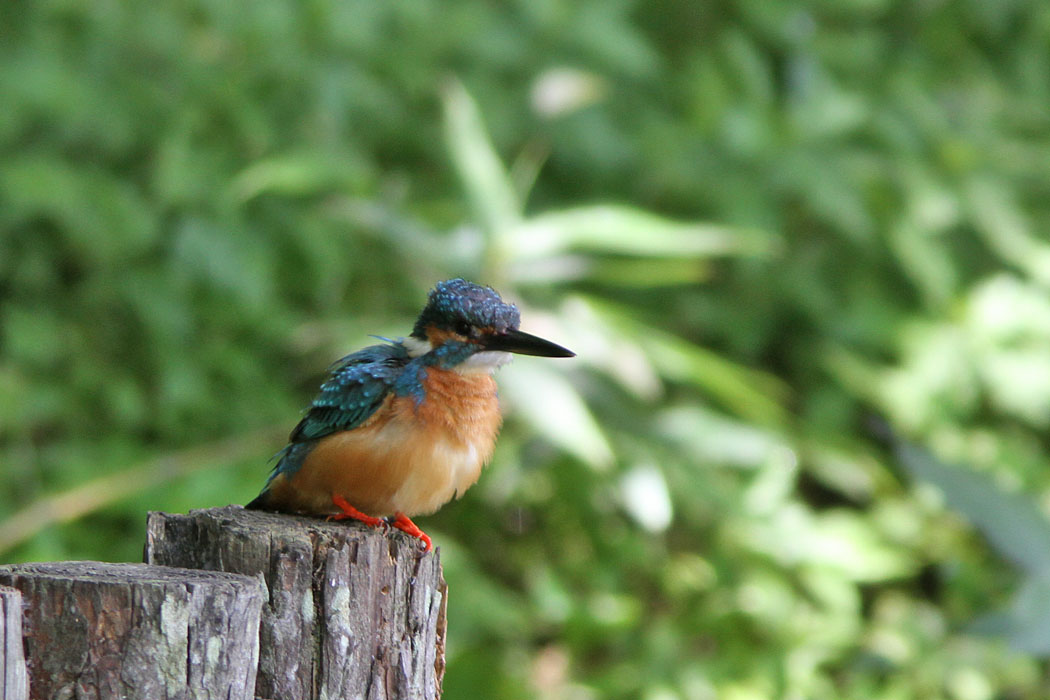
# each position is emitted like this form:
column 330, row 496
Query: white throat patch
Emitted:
column 416, row 347
column 486, row 361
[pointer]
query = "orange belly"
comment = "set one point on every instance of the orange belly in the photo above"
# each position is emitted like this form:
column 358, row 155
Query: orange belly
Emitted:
column 406, row 458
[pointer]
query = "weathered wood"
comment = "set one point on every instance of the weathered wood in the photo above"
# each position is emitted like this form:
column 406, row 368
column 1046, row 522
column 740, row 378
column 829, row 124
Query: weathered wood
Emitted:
column 95, row 630
column 353, row 612
column 13, row 679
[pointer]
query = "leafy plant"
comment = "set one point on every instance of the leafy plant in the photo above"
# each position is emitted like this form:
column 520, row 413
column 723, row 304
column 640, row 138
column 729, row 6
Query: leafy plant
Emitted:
column 756, row 224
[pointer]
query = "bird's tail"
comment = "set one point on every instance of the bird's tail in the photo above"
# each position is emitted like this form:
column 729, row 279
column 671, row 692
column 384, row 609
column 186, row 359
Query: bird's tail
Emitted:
column 260, row 502
column 288, row 462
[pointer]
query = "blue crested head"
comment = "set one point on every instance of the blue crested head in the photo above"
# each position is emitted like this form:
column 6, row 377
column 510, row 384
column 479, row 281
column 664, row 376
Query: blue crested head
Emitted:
column 462, row 319
column 458, row 306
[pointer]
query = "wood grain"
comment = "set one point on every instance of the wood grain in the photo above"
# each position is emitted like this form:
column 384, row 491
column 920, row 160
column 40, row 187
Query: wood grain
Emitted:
column 13, row 680
column 96, row 630
column 353, row 612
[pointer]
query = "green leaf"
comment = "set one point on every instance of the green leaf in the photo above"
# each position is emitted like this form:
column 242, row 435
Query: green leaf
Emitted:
column 1007, row 229
column 486, row 181
column 103, row 219
column 748, row 393
column 1025, row 624
column 837, row 540
column 623, row 230
column 554, row 408
column 1013, row 523
column 299, row 174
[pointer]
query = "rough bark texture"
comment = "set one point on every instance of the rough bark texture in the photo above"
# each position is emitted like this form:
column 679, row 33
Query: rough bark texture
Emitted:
column 95, row 630
column 353, row 612
column 13, row 681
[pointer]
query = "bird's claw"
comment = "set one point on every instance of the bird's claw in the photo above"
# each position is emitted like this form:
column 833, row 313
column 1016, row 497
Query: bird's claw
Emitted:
column 402, row 523
column 400, row 520
column 348, row 512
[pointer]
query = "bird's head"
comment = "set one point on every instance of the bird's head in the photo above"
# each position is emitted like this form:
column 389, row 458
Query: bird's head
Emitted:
column 467, row 326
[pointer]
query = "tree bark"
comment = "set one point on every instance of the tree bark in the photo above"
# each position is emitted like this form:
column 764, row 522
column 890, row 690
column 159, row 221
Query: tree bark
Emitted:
column 13, row 680
column 353, row 612
column 95, row 630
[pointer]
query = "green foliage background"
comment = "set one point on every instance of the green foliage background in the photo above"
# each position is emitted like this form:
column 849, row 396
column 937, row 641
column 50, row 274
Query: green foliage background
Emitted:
column 771, row 231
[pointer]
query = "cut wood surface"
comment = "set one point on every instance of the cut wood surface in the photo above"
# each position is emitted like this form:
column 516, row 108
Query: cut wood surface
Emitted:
column 95, row 630
column 353, row 612
column 13, row 683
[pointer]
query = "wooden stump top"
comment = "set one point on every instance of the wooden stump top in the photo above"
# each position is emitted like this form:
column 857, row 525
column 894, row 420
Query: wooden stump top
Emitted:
column 121, row 574
column 353, row 612
column 97, row 630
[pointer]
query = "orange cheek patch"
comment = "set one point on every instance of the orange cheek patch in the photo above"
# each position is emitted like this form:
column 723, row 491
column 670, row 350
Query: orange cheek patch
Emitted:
column 438, row 336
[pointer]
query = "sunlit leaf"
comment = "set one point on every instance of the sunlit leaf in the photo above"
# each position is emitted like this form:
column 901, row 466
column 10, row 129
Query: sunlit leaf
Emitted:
column 600, row 345
column 837, row 540
column 544, row 398
column 559, row 91
column 748, row 392
column 298, row 174
column 485, row 180
column 644, row 493
column 1007, row 229
column 624, row 230
column 711, row 437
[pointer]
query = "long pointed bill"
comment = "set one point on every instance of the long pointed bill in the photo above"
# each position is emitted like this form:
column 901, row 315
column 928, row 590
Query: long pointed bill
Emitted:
column 525, row 344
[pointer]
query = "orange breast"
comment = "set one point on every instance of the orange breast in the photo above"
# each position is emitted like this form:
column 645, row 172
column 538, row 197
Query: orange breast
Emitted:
column 406, row 458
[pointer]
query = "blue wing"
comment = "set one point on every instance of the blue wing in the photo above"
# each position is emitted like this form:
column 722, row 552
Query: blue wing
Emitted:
column 356, row 386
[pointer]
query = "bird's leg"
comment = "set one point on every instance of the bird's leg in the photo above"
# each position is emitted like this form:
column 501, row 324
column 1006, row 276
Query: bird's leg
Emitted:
column 401, row 522
column 351, row 513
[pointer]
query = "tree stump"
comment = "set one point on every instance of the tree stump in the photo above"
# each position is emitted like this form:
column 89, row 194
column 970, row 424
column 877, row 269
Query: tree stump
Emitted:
column 95, row 630
column 13, row 681
column 353, row 612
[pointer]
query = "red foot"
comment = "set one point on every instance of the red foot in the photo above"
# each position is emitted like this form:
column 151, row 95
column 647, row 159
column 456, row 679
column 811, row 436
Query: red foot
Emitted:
column 351, row 513
column 401, row 522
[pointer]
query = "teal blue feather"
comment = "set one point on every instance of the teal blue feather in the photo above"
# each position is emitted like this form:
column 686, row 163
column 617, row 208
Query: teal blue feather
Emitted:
column 356, row 387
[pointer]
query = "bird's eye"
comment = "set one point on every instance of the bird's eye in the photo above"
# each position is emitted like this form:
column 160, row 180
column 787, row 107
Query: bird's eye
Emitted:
column 463, row 328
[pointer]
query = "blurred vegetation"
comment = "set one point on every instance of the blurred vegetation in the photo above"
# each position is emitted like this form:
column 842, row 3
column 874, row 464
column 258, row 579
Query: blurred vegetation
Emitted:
column 799, row 248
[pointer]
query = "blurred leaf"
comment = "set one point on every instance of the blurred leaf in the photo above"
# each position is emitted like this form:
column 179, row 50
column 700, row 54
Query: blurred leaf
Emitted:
column 103, row 490
column 749, row 393
column 599, row 344
column 485, row 181
column 644, row 493
column 1013, row 523
column 545, row 399
column 837, row 540
column 1006, row 228
column 102, row 219
column 559, row 91
column 298, row 174
column 644, row 273
column 926, row 259
column 623, row 230
column 1026, row 623
column 711, row 437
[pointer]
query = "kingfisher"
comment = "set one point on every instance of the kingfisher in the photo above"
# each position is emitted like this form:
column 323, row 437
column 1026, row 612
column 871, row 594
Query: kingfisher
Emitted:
column 401, row 428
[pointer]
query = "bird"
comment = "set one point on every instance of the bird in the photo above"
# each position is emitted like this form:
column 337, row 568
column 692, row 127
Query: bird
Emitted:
column 401, row 428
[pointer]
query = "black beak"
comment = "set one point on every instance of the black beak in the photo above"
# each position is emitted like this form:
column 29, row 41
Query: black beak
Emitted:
column 525, row 344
